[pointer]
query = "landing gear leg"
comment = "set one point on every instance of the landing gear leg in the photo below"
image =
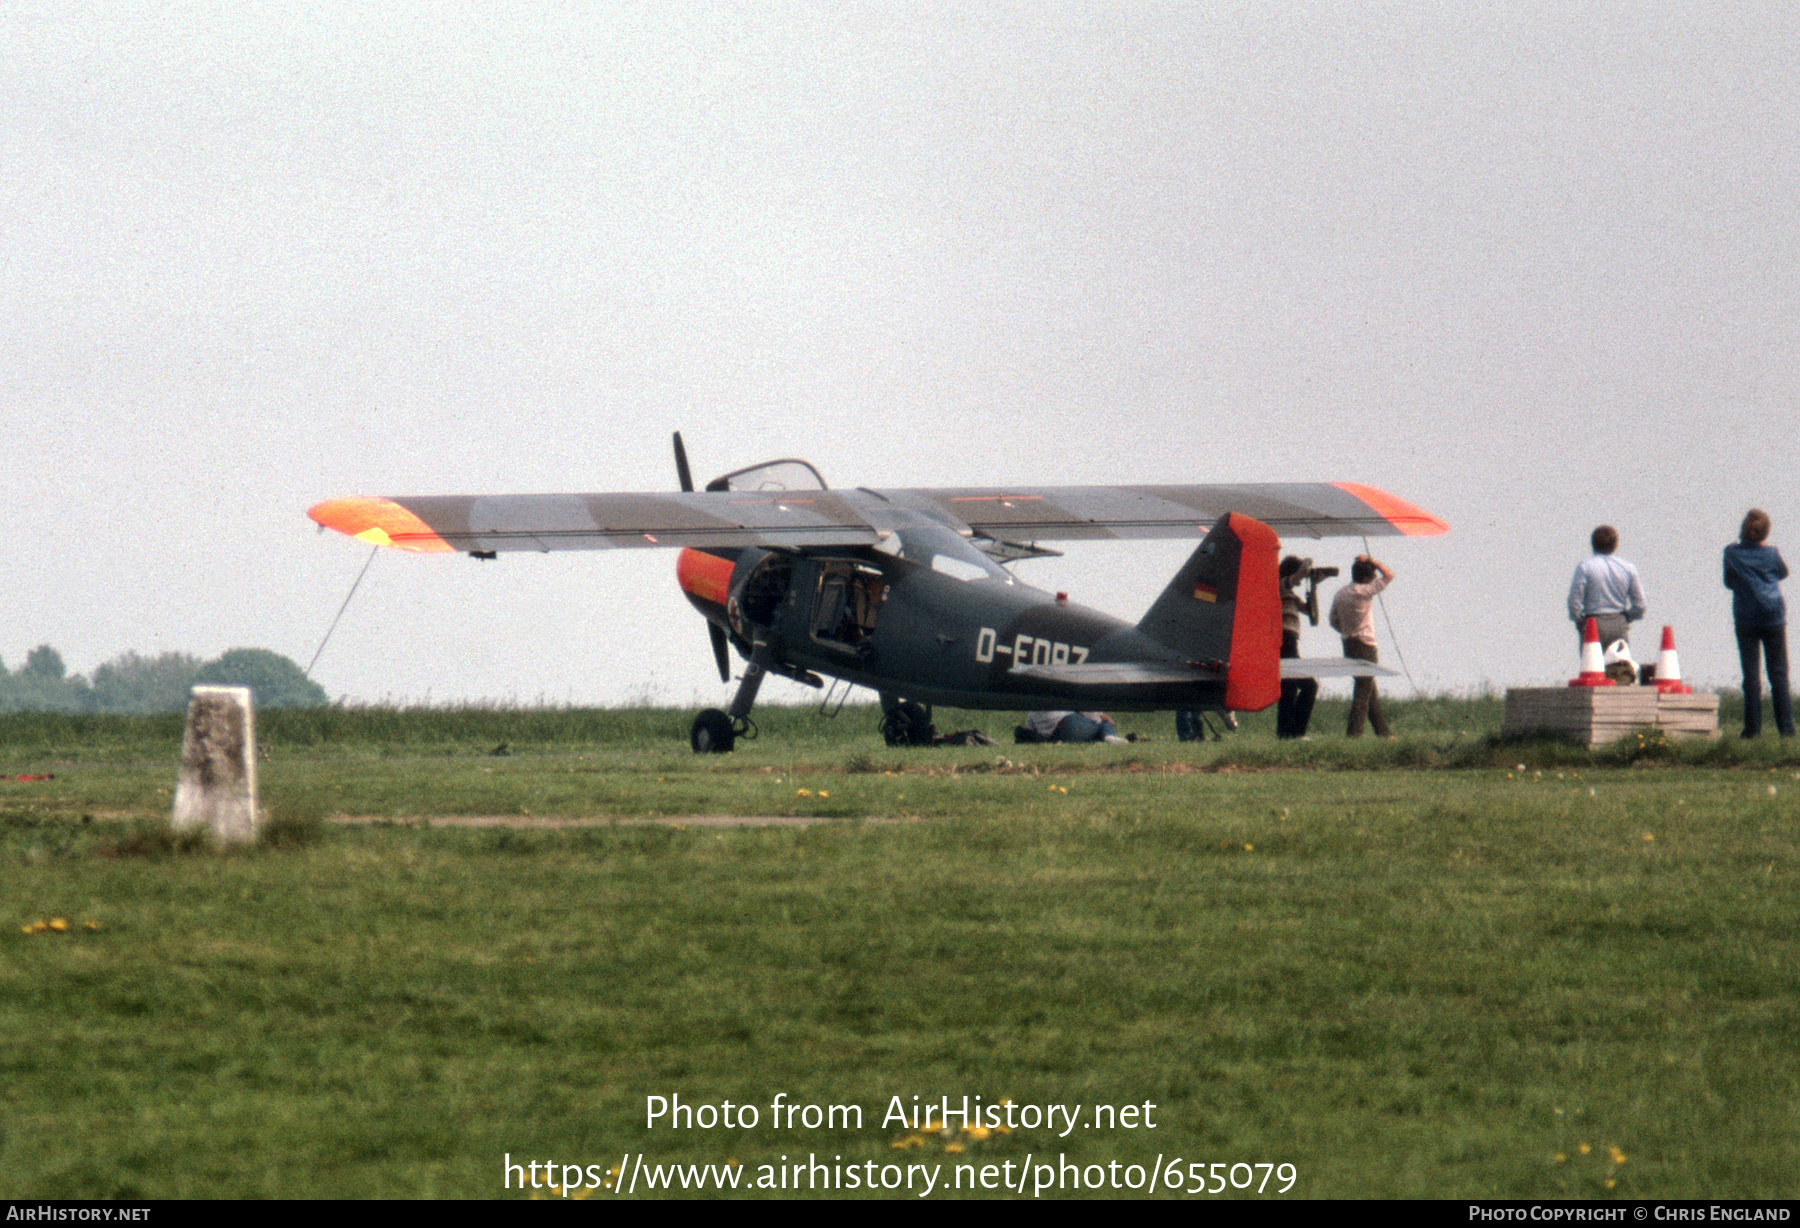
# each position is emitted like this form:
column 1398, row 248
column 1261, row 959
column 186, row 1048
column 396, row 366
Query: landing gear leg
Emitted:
column 716, row 732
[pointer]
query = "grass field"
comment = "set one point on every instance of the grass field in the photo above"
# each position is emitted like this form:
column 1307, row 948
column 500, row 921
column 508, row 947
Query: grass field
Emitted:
column 1446, row 966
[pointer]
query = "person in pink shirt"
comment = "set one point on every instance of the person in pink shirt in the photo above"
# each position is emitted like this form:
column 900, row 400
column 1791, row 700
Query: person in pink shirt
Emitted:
column 1350, row 618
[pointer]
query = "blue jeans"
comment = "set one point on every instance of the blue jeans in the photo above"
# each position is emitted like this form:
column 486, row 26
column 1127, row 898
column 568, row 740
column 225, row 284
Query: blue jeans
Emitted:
column 1770, row 644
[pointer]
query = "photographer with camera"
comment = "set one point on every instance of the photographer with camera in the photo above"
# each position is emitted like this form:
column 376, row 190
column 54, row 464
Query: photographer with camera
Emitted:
column 1297, row 694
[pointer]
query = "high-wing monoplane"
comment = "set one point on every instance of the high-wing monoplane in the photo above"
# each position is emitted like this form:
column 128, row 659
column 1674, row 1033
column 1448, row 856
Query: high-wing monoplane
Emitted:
column 906, row 592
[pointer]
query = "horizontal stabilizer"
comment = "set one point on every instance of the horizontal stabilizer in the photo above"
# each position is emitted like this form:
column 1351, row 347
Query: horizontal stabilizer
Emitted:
column 1333, row 667
column 1116, row 673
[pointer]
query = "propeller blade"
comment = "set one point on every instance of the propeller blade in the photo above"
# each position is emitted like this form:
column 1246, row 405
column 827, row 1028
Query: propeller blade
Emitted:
column 721, row 648
column 721, row 651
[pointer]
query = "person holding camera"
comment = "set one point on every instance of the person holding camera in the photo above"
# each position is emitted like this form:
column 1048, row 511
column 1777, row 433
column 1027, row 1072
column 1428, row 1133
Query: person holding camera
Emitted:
column 1294, row 713
column 1351, row 619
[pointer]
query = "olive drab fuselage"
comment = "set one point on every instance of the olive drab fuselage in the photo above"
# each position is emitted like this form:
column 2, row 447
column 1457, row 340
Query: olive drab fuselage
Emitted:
column 955, row 635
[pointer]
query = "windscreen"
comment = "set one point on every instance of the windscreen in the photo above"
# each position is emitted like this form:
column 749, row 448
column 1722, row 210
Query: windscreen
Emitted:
column 771, row 475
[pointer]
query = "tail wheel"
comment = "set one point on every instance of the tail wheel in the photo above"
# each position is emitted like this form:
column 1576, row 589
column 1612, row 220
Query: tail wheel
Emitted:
column 712, row 733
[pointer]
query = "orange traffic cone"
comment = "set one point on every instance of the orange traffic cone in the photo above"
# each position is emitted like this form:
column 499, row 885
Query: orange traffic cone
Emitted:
column 1668, row 668
column 1593, row 662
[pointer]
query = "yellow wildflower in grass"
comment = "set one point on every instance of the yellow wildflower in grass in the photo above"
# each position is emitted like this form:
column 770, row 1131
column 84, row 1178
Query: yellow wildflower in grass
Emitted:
column 953, row 1148
column 909, row 1142
column 93, row 925
column 60, row 924
column 824, row 793
column 1582, row 1149
column 1561, row 1158
column 802, row 792
column 977, row 1132
column 1615, row 1155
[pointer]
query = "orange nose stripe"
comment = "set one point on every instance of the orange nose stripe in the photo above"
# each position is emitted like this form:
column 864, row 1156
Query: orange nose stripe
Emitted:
column 703, row 575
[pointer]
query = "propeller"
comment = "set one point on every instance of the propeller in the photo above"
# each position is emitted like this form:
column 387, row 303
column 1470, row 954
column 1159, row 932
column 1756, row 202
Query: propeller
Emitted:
column 721, row 648
column 681, row 465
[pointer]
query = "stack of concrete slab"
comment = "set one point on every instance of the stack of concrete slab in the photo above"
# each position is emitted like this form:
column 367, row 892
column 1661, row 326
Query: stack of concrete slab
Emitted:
column 1597, row 715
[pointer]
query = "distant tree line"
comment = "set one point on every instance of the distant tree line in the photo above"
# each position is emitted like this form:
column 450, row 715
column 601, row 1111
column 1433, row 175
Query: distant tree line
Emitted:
column 134, row 683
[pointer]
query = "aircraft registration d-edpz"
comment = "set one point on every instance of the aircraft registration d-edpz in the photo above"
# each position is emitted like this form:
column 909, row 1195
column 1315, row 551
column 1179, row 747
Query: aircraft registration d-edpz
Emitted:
column 904, row 592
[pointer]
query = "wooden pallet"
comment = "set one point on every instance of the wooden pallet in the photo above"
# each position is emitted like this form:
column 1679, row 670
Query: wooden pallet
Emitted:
column 1594, row 716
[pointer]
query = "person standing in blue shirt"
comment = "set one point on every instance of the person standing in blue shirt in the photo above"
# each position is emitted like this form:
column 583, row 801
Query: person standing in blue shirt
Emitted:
column 1606, row 589
column 1753, row 572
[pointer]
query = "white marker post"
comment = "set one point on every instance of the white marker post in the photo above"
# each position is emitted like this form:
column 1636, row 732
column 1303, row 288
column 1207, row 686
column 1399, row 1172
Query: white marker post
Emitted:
column 217, row 789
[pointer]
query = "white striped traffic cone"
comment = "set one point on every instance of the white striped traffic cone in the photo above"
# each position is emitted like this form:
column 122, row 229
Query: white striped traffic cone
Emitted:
column 1668, row 668
column 1593, row 661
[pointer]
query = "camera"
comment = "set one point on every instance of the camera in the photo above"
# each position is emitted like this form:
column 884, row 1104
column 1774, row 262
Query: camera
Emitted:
column 1296, row 571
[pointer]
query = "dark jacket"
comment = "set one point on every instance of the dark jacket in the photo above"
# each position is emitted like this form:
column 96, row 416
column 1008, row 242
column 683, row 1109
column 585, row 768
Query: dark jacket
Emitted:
column 1753, row 574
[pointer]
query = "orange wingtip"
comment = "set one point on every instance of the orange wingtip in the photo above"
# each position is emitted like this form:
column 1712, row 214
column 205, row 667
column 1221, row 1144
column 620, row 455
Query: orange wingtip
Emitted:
column 1410, row 519
column 380, row 522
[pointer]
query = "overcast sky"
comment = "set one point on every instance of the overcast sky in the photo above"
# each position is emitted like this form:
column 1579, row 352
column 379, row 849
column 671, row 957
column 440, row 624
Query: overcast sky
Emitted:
column 1532, row 266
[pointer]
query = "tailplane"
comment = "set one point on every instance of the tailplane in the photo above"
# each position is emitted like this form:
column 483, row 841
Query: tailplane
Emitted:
column 1224, row 606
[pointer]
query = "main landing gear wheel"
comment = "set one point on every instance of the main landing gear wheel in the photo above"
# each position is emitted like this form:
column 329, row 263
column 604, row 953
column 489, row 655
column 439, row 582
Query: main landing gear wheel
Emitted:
column 712, row 733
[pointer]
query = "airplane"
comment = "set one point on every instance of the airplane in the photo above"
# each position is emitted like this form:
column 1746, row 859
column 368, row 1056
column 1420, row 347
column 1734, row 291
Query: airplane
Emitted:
column 905, row 592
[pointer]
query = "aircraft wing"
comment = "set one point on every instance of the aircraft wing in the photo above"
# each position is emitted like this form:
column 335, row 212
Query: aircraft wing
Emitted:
column 1067, row 513
column 481, row 523
column 808, row 518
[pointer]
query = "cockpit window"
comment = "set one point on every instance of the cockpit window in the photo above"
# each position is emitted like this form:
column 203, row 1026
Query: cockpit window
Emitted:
column 771, row 475
column 944, row 552
column 961, row 569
